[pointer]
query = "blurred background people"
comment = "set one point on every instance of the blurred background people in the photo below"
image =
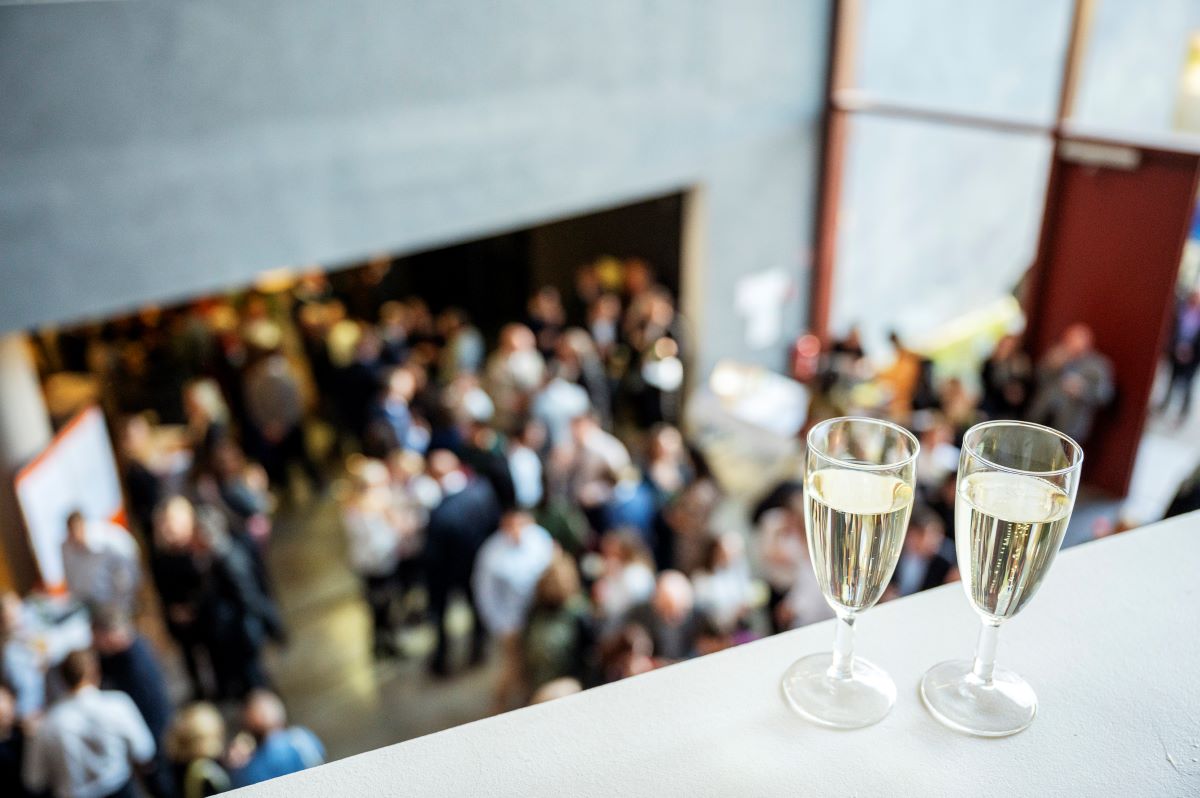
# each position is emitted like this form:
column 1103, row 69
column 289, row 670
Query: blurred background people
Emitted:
column 507, row 570
column 91, row 742
column 1074, row 381
column 1183, row 354
column 195, row 748
column 101, row 563
column 273, row 748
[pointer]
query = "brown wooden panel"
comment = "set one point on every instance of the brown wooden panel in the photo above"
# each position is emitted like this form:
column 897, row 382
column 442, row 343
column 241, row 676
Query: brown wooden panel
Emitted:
column 1111, row 243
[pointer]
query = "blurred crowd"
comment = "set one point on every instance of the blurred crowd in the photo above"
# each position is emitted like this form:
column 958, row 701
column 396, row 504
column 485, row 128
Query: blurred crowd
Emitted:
column 536, row 473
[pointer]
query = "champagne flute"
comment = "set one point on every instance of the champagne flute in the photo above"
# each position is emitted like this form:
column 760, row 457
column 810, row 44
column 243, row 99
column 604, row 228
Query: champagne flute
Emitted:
column 858, row 494
column 1016, row 488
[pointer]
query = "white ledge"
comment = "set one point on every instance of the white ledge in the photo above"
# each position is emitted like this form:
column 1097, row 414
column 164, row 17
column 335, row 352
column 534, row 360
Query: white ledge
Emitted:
column 1111, row 645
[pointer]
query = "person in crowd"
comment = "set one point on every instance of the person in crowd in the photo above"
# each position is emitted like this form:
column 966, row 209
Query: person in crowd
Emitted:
column 668, row 466
column 1074, row 381
column 681, row 530
column 1005, row 377
column 547, row 318
column 207, row 417
column 382, row 534
column 559, row 632
column 938, row 456
column 804, row 603
column 599, row 457
column 902, row 377
column 782, row 547
column 90, row 742
column 604, row 325
column 658, row 344
column 411, row 485
column 22, row 664
column 275, row 409
column 101, row 563
column 389, row 419
column 525, row 464
column 577, row 360
column 463, row 349
column 627, row 579
column 143, row 486
column 671, row 619
column 242, row 489
column 958, row 406
column 559, row 402
column 128, row 664
column 277, row 749
column 214, row 603
column 507, row 571
column 1183, row 354
column 723, row 587
column 195, row 747
column 393, row 333
column 514, row 371
column 359, row 376
column 627, row 652
column 12, row 746
column 927, row 559
column 467, row 514
column 631, row 504
column 484, row 452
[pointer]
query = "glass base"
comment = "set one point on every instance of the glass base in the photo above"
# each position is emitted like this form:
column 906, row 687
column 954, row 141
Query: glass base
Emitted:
column 957, row 698
column 864, row 698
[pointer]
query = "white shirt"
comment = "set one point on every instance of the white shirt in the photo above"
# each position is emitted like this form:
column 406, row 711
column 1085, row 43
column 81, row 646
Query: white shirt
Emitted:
column 556, row 404
column 374, row 543
column 526, row 470
column 723, row 594
column 781, row 551
column 106, row 570
column 624, row 590
column 506, row 574
column 84, row 746
column 805, row 599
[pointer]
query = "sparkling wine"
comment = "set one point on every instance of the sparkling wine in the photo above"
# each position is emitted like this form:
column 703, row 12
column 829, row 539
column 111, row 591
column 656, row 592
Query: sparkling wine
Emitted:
column 1009, row 527
column 856, row 522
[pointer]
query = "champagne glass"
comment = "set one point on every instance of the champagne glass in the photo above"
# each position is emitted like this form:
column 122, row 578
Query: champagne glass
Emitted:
column 858, row 494
column 1016, row 487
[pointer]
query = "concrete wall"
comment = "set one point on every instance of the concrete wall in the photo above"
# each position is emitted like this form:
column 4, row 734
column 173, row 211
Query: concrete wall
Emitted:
column 151, row 151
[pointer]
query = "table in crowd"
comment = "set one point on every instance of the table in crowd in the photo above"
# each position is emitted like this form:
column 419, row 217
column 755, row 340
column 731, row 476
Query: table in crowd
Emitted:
column 545, row 483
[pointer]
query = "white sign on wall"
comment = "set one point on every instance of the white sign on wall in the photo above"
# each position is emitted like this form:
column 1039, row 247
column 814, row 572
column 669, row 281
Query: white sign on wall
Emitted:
column 77, row 471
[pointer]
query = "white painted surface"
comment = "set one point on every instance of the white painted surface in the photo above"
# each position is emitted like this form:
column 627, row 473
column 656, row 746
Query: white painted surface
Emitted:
column 1110, row 644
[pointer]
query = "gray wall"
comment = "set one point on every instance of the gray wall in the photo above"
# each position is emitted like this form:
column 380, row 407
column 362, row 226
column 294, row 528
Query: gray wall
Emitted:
column 151, row 151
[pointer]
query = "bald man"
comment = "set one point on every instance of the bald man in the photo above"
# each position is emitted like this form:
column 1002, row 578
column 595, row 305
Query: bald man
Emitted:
column 671, row 617
column 278, row 749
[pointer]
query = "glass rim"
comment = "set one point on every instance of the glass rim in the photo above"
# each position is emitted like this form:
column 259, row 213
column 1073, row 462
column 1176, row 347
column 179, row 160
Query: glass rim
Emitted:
column 1076, row 449
column 912, row 439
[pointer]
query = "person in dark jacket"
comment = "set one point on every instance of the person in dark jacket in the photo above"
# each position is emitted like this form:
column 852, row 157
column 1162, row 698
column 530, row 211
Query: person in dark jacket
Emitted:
column 128, row 664
column 1183, row 354
column 468, row 513
column 12, row 747
column 1005, row 378
column 212, row 597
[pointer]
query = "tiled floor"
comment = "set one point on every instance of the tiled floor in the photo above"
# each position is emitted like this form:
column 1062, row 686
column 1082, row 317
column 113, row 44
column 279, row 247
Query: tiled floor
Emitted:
column 326, row 673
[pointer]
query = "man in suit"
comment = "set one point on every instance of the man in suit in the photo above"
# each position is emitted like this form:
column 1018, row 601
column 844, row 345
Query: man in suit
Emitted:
column 468, row 513
column 1183, row 353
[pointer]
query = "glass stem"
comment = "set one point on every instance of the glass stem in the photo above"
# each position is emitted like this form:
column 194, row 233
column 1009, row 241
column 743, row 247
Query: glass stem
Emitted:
column 985, row 653
column 843, row 648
